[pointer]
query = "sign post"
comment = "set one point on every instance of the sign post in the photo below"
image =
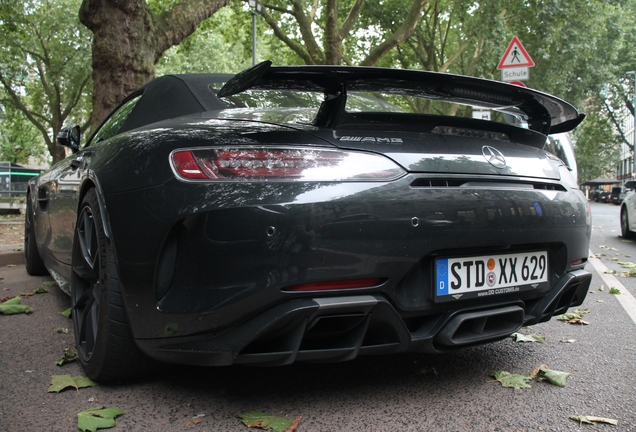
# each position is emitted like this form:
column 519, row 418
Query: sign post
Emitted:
column 515, row 63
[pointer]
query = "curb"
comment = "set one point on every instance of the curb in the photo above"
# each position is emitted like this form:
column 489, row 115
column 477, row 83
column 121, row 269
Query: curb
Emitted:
column 11, row 258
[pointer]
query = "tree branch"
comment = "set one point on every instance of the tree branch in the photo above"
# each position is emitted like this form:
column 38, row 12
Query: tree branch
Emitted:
column 399, row 36
column 332, row 35
column 352, row 18
column 182, row 20
column 293, row 45
column 17, row 102
column 304, row 25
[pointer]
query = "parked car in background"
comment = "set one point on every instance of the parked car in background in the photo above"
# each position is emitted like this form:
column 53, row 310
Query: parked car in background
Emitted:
column 617, row 192
column 605, row 197
column 628, row 211
column 282, row 215
column 624, row 193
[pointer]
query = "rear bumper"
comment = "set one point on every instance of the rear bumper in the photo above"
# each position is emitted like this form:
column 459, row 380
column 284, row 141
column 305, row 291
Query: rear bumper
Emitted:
column 341, row 328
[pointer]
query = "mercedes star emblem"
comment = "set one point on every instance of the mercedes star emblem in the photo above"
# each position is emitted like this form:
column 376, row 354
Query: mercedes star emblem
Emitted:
column 494, row 157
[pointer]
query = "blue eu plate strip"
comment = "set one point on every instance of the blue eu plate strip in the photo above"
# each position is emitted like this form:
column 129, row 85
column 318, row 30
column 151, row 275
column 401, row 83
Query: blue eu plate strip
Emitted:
column 441, row 272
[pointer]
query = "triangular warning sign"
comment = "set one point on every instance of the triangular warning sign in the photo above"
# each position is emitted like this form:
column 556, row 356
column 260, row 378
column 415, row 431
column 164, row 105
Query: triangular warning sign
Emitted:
column 515, row 56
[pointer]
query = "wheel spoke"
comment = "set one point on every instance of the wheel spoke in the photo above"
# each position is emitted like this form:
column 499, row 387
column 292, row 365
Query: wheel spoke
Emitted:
column 87, row 240
column 86, row 290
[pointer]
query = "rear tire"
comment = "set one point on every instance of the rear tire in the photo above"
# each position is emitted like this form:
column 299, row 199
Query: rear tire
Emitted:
column 105, row 345
column 625, row 231
column 32, row 259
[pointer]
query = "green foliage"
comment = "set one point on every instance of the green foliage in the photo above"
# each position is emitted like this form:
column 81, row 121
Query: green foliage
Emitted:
column 515, row 381
column 13, row 306
column 70, row 355
column 218, row 46
column 19, row 138
column 557, row 378
column 261, row 420
column 61, row 382
column 44, row 71
column 98, row 418
column 597, row 145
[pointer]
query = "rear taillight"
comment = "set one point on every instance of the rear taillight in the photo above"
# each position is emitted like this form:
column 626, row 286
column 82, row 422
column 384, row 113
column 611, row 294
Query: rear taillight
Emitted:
column 280, row 164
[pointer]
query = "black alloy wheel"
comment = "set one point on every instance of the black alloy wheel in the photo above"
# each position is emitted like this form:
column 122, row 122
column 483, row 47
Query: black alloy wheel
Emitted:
column 32, row 259
column 105, row 345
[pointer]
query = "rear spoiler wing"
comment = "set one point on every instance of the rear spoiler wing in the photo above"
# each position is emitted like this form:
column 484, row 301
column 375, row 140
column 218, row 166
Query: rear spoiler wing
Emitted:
column 545, row 113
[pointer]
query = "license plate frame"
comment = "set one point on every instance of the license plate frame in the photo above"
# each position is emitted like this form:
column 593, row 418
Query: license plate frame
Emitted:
column 484, row 276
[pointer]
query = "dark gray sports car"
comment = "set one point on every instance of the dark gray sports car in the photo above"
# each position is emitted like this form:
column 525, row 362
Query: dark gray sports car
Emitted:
column 310, row 214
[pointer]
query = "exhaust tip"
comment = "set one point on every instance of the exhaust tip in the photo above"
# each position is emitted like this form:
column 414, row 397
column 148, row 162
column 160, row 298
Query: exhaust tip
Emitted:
column 480, row 326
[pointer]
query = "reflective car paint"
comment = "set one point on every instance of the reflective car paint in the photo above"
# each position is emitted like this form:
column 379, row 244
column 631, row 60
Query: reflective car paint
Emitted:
column 208, row 269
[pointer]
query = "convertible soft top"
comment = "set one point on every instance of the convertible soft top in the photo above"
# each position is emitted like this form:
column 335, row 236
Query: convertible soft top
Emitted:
column 545, row 113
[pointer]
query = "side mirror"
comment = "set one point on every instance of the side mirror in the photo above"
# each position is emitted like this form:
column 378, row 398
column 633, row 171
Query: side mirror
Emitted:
column 70, row 137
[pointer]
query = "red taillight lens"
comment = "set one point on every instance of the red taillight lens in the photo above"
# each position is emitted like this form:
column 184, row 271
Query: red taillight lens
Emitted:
column 336, row 285
column 186, row 166
column 279, row 164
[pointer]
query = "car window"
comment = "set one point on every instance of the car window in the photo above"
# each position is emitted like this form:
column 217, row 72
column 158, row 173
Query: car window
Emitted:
column 116, row 120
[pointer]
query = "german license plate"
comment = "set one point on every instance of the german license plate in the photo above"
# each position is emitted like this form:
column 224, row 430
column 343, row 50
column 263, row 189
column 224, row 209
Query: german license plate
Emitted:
column 488, row 275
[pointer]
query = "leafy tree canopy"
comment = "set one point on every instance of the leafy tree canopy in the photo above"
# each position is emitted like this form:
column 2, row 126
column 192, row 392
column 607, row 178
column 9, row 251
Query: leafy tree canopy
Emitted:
column 44, row 68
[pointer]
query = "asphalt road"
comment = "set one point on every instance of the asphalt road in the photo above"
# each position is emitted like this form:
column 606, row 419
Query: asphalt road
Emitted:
column 413, row 392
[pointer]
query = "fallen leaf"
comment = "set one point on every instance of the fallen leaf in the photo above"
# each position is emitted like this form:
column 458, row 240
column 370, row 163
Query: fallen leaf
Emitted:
column 512, row 380
column 294, row 425
column 581, row 311
column 98, row 418
column 13, row 306
column 67, row 313
column 69, row 355
column 578, row 321
column 528, row 338
column 261, row 420
column 197, row 421
column 535, row 372
column 61, row 382
column 169, row 330
column 614, row 290
column 40, row 291
column 18, row 249
column 555, row 377
column 601, row 288
column 49, row 283
column 600, row 301
column 11, row 265
column 61, row 330
column 4, row 299
column 593, row 420
column 568, row 340
column 26, row 294
column 568, row 316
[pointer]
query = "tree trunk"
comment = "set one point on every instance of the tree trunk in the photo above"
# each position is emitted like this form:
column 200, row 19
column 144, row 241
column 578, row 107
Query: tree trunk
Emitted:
column 128, row 40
